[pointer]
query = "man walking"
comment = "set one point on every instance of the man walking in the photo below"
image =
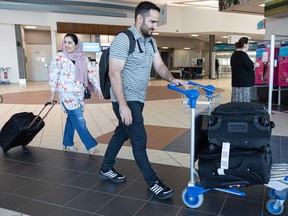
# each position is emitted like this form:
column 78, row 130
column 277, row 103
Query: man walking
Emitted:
column 129, row 76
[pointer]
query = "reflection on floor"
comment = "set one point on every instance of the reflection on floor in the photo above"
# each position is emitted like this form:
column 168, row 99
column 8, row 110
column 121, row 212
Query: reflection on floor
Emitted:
column 48, row 181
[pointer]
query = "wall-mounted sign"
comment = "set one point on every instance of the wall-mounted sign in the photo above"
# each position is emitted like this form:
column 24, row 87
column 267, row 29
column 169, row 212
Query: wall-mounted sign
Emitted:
column 232, row 39
column 91, row 47
column 163, row 15
column 231, row 47
column 261, row 24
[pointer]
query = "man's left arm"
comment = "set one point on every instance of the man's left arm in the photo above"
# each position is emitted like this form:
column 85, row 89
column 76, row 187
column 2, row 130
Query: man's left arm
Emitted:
column 163, row 71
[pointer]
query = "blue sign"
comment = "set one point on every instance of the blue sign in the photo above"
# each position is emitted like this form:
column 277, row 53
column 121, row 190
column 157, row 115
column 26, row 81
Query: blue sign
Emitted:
column 230, row 47
column 91, row 47
column 261, row 24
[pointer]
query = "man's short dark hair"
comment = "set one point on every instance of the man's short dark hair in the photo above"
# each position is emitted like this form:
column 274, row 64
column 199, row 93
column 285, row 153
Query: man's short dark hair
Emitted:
column 144, row 7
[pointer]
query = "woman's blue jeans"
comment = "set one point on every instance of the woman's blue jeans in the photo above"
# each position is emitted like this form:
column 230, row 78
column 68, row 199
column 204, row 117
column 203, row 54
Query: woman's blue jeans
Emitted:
column 75, row 120
column 137, row 134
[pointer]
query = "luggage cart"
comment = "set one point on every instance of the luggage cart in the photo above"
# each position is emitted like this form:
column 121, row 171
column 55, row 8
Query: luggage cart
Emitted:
column 278, row 185
column 204, row 104
column 193, row 196
column 5, row 80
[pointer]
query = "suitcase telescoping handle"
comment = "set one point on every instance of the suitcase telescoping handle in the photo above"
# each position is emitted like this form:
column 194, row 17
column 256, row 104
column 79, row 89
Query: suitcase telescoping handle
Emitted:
column 45, row 105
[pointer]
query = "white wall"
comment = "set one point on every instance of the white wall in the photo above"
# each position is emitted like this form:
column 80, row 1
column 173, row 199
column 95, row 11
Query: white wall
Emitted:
column 8, row 55
column 181, row 19
column 29, row 53
column 24, row 17
column 276, row 26
column 200, row 19
column 183, row 57
column 56, row 17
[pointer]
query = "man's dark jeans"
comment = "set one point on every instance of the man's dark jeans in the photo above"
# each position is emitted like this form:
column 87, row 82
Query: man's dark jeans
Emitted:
column 138, row 138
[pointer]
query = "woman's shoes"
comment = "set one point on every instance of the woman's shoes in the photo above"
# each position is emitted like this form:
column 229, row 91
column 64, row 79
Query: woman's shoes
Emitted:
column 70, row 148
column 93, row 150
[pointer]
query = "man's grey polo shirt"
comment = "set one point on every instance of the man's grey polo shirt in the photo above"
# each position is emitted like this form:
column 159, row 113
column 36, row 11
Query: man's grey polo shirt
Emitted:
column 136, row 72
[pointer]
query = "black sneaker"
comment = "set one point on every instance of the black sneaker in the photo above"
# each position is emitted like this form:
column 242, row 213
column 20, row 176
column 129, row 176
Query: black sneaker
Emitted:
column 160, row 191
column 112, row 175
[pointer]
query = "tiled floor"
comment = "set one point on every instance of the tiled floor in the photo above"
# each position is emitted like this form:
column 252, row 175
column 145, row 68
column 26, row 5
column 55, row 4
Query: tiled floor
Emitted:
column 47, row 181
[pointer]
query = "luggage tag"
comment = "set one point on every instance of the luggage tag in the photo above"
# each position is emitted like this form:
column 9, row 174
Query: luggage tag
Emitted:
column 224, row 164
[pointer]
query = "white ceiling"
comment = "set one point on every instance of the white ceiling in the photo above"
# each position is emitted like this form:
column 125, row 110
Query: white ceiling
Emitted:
column 251, row 7
column 204, row 3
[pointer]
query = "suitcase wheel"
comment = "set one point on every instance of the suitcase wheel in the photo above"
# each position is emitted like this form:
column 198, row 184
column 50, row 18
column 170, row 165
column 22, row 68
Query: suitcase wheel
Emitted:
column 264, row 121
column 212, row 121
column 212, row 147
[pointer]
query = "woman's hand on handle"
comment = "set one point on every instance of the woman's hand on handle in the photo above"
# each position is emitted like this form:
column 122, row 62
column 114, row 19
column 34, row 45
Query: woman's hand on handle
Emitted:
column 52, row 97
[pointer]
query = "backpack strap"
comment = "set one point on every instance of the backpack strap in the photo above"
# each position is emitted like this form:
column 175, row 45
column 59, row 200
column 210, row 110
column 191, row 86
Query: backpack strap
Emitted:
column 152, row 44
column 131, row 40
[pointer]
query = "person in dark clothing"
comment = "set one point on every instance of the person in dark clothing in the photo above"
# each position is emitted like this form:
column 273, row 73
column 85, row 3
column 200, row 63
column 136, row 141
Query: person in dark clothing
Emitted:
column 217, row 68
column 243, row 74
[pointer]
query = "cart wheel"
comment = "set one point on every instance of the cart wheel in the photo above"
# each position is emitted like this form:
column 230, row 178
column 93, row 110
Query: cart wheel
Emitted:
column 272, row 194
column 270, row 207
column 192, row 202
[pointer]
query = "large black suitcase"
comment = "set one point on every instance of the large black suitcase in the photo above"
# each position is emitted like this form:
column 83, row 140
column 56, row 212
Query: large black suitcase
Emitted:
column 21, row 128
column 201, row 134
column 244, row 125
column 250, row 167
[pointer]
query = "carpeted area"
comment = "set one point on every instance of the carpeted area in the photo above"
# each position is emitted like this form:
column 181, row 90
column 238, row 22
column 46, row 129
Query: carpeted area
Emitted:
column 41, row 97
column 157, row 137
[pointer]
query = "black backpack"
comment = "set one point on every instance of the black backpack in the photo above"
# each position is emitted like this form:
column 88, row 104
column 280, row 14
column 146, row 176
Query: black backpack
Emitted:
column 104, row 64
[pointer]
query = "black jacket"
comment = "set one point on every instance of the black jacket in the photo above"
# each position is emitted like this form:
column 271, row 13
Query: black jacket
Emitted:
column 242, row 67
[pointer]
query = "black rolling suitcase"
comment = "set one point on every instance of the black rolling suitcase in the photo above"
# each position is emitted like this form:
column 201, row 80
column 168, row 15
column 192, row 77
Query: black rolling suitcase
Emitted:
column 201, row 134
column 246, row 167
column 21, row 128
column 244, row 125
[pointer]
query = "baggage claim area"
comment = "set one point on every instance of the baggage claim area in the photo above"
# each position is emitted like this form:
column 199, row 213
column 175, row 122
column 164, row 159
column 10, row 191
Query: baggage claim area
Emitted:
column 220, row 158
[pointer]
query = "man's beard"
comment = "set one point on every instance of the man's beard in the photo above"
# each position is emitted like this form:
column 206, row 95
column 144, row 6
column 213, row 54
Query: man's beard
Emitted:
column 145, row 31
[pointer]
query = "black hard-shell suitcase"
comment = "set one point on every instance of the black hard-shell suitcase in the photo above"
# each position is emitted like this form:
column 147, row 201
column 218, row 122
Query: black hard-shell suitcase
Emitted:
column 201, row 134
column 244, row 125
column 250, row 167
column 21, row 128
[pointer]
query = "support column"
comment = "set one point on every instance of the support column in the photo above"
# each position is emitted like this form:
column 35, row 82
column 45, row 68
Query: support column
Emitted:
column 53, row 43
column 212, row 56
column 20, row 54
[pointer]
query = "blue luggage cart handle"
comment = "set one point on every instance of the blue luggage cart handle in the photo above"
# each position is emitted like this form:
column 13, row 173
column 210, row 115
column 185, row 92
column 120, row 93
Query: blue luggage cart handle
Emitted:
column 193, row 94
column 209, row 89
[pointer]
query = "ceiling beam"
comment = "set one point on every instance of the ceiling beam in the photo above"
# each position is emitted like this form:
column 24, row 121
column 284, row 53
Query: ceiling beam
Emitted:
column 73, row 3
column 61, row 9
